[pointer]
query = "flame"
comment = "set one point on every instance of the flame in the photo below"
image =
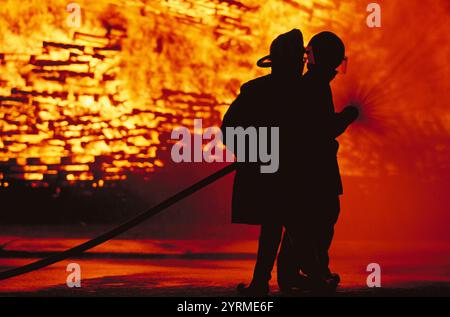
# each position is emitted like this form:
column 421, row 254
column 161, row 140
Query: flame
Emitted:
column 96, row 102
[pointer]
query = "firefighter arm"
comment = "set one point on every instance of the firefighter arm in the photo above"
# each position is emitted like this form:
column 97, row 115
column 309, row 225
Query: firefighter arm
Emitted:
column 343, row 119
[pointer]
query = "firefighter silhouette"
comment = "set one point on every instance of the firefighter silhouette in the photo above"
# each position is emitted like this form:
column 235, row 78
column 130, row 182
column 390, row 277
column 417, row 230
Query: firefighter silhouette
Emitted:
column 302, row 196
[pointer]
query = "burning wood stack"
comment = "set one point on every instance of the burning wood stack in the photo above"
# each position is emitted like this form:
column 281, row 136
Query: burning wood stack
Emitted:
column 70, row 124
column 67, row 116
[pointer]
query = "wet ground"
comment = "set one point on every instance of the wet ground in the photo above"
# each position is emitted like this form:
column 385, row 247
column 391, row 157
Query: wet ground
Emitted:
column 214, row 268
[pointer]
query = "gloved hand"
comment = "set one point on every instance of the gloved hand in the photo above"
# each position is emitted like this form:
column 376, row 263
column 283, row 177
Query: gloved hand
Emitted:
column 351, row 113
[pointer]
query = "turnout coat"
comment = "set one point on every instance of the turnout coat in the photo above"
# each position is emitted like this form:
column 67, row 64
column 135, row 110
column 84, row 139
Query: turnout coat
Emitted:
column 302, row 108
column 260, row 198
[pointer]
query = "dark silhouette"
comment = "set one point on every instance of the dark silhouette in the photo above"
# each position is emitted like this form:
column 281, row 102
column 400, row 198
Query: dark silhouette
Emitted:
column 320, row 172
column 303, row 195
column 267, row 101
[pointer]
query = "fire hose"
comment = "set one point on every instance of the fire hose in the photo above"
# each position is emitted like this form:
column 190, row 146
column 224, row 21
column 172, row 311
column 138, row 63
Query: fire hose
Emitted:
column 77, row 250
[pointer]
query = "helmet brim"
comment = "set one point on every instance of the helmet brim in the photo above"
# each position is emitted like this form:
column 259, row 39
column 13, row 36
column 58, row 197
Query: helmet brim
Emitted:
column 264, row 62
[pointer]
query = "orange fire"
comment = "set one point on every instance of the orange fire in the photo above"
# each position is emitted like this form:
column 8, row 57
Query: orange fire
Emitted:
column 99, row 101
